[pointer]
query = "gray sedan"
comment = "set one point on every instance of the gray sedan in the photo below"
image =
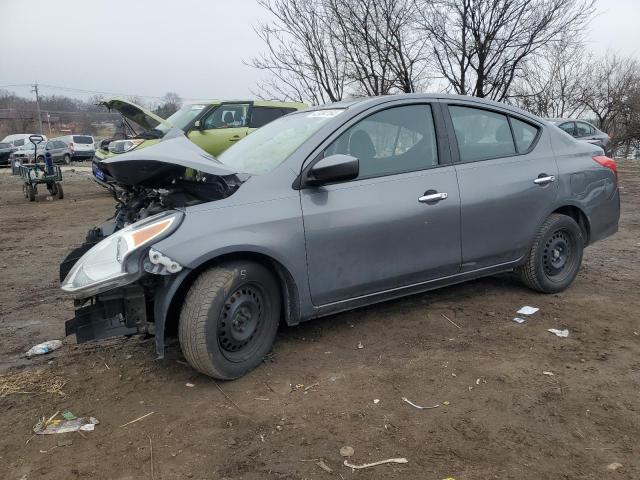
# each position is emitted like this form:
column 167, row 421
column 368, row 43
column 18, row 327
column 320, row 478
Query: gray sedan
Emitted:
column 582, row 131
column 330, row 209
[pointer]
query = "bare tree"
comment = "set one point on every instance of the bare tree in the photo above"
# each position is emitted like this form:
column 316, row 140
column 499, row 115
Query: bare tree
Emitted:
column 303, row 57
column 383, row 50
column 553, row 84
column 322, row 50
column 611, row 96
column 480, row 46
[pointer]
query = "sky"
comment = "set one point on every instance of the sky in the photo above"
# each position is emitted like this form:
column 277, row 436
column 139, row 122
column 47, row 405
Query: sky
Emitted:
column 197, row 48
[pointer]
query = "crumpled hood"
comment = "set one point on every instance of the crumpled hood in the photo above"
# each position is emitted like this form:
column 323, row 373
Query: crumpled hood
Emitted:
column 158, row 164
column 143, row 117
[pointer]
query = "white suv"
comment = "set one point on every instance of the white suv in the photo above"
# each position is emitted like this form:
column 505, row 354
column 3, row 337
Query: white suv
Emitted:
column 80, row 146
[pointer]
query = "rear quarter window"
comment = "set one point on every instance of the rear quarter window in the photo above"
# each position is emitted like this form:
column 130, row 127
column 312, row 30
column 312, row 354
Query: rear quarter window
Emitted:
column 524, row 134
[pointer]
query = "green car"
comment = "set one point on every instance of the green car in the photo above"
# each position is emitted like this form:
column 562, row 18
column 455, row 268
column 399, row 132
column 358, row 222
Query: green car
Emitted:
column 213, row 125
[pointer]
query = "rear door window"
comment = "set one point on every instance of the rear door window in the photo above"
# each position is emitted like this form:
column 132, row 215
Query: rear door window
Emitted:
column 262, row 115
column 583, row 129
column 568, row 127
column 481, row 134
column 396, row 140
column 524, row 134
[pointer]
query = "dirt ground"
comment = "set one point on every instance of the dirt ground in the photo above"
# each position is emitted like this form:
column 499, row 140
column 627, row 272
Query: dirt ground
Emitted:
column 503, row 418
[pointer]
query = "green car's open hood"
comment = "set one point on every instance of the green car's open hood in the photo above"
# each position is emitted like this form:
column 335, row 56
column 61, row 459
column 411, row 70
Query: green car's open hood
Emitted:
column 143, row 117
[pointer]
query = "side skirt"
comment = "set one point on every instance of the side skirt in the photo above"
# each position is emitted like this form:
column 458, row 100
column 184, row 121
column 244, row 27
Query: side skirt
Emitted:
column 392, row 294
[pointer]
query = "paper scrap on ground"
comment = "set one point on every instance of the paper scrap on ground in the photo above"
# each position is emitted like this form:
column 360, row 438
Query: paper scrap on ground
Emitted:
column 559, row 333
column 406, row 400
column 527, row 310
column 519, row 320
column 86, row 424
column 549, row 374
column 375, row 464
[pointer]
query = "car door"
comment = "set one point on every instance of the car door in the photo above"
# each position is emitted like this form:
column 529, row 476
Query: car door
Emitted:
column 222, row 127
column 506, row 173
column 397, row 224
column 59, row 147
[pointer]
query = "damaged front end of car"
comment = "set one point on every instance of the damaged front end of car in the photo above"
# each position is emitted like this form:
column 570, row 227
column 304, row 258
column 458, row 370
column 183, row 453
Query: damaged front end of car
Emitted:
column 121, row 285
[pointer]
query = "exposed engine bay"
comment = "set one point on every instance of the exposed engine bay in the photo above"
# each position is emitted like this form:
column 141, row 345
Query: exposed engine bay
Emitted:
column 136, row 203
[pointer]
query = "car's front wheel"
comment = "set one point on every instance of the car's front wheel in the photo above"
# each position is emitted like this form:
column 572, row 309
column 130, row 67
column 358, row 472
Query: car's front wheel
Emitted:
column 555, row 256
column 229, row 319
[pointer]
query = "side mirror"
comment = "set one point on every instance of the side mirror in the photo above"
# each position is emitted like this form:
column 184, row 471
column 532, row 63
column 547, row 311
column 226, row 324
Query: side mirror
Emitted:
column 197, row 125
column 334, row 168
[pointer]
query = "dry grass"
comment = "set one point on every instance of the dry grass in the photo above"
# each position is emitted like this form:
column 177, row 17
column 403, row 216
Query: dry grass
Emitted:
column 31, row 382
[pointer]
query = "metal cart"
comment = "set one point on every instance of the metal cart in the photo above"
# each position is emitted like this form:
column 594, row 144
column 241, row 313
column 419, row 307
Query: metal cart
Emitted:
column 40, row 173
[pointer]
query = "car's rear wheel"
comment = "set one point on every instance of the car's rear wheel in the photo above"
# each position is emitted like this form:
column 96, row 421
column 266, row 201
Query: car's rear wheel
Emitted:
column 229, row 319
column 555, row 256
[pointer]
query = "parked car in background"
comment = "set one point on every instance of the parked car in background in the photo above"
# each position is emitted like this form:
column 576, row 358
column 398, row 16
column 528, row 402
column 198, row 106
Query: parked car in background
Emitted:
column 583, row 131
column 19, row 139
column 6, row 149
column 26, row 153
column 59, row 150
column 80, row 146
column 214, row 125
column 330, row 209
column 23, row 148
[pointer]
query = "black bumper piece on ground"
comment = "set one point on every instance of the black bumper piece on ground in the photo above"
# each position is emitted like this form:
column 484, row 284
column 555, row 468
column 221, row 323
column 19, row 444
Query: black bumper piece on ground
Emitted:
column 120, row 312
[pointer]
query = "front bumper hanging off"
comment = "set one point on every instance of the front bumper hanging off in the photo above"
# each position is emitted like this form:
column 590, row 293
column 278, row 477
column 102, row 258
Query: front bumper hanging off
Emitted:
column 119, row 312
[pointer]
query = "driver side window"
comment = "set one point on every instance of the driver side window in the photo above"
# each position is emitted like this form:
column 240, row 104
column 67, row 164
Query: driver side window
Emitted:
column 227, row 116
column 396, row 140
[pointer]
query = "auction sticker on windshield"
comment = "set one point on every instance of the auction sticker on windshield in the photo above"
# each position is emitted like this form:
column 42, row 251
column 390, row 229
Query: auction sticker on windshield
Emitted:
column 324, row 113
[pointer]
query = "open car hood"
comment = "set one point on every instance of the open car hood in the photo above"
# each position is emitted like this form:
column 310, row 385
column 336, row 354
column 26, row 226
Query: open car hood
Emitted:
column 143, row 117
column 157, row 165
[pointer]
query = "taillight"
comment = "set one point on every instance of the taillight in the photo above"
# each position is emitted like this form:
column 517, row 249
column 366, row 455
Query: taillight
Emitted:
column 607, row 162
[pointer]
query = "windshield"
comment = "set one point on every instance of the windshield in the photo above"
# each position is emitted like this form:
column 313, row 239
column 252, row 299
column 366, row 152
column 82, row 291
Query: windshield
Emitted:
column 5, row 145
column 182, row 117
column 269, row 146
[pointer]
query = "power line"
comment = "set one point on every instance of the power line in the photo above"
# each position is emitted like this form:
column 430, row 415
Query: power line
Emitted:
column 95, row 92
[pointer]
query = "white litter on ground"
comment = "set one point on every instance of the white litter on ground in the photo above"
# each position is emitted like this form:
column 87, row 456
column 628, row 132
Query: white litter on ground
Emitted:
column 559, row 333
column 519, row 320
column 527, row 310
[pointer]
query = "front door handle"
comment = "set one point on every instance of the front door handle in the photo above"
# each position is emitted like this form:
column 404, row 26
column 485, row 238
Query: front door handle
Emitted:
column 544, row 179
column 235, row 138
column 432, row 197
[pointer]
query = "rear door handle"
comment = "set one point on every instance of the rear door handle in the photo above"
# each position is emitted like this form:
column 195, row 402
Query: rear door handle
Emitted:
column 432, row 197
column 543, row 180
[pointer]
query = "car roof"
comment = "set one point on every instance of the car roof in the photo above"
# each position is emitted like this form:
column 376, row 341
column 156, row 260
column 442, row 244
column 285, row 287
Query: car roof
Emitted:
column 259, row 103
column 371, row 101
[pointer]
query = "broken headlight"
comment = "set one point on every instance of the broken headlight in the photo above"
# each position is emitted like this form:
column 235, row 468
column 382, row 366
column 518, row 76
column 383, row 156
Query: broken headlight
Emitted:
column 111, row 263
column 122, row 146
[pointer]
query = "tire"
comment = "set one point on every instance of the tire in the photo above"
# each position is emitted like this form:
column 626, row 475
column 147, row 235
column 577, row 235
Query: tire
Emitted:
column 59, row 190
column 555, row 256
column 31, row 193
column 40, row 159
column 229, row 319
column 66, row 159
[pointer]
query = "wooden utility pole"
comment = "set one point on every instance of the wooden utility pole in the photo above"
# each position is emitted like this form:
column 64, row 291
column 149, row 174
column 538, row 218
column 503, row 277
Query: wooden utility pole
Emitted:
column 35, row 89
